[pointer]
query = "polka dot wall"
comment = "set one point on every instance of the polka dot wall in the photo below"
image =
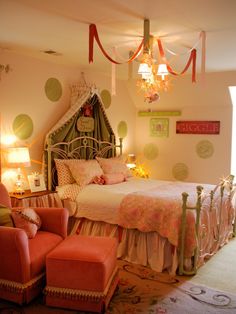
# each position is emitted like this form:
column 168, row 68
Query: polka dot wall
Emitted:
column 155, row 151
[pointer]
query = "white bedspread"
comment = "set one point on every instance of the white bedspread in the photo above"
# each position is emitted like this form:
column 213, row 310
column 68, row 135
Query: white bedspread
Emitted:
column 102, row 202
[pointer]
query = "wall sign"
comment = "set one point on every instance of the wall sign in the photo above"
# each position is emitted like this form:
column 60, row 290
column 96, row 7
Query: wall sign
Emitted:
column 198, row 127
column 85, row 124
column 150, row 113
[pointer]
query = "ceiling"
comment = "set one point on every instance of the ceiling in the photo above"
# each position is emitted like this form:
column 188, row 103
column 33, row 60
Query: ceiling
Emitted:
column 30, row 27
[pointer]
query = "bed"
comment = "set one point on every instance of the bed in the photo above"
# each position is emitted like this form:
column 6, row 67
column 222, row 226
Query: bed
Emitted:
column 173, row 226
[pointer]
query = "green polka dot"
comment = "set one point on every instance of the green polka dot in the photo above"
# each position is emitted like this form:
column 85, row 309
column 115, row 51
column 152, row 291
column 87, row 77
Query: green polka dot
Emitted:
column 22, row 126
column 106, row 98
column 150, row 151
column 180, row 171
column 53, row 89
column 122, row 129
column 205, row 149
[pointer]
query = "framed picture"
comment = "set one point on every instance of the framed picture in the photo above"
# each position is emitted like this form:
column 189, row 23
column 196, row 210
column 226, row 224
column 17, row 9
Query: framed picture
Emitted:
column 36, row 182
column 159, row 127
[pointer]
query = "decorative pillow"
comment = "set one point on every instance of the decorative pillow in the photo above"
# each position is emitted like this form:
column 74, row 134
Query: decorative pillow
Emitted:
column 113, row 178
column 113, row 165
column 5, row 217
column 63, row 172
column 98, row 180
column 68, row 191
column 85, row 171
column 28, row 220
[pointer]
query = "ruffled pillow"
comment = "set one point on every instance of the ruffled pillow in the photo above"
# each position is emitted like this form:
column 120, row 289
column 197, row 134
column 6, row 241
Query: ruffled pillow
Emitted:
column 113, row 178
column 28, row 220
column 85, row 171
column 5, row 217
column 113, row 165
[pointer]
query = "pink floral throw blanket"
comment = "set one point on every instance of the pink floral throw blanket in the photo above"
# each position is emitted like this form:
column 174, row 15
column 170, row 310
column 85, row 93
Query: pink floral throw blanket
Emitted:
column 160, row 210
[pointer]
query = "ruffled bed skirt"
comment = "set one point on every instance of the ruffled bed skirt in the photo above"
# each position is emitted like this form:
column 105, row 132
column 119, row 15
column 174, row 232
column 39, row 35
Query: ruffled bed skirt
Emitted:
column 148, row 249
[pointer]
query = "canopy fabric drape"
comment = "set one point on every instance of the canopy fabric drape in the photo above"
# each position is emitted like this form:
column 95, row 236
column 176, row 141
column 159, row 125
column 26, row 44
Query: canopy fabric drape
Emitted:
column 66, row 129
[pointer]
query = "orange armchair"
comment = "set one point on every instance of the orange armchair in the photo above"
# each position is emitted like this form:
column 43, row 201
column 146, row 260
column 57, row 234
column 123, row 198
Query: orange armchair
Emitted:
column 22, row 260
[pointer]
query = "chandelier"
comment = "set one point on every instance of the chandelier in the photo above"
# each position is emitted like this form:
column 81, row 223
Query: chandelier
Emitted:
column 154, row 76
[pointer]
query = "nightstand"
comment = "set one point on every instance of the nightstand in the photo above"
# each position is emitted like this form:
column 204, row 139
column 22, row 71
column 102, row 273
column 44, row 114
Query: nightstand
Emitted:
column 36, row 199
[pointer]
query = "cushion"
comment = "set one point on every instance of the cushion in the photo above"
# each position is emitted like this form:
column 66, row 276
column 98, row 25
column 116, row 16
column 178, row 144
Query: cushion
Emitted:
column 113, row 165
column 5, row 217
column 68, row 191
column 28, row 220
column 85, row 171
column 63, row 172
column 113, row 178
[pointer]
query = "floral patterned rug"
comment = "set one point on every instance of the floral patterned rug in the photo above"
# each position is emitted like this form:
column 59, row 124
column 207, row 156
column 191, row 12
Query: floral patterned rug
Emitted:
column 142, row 290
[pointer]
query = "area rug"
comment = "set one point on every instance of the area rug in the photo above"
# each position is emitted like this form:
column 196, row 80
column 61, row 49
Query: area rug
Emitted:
column 142, row 290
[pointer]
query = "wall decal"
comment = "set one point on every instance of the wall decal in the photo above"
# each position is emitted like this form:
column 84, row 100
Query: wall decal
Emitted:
column 106, row 98
column 22, row 126
column 53, row 89
column 159, row 127
column 150, row 113
column 180, row 171
column 205, row 149
column 150, row 151
column 197, row 127
column 122, row 129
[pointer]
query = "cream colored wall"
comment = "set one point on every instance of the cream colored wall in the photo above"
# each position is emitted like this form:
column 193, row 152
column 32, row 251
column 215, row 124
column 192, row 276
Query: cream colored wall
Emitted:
column 210, row 101
column 22, row 92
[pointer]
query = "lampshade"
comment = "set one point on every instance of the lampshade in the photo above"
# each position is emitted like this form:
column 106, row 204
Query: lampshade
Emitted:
column 130, row 161
column 18, row 157
column 162, row 70
column 144, row 69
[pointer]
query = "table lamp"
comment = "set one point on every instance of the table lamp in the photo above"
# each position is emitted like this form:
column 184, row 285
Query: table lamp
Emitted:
column 18, row 157
column 131, row 161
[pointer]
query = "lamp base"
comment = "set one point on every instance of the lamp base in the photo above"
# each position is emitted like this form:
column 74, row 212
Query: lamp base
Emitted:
column 19, row 192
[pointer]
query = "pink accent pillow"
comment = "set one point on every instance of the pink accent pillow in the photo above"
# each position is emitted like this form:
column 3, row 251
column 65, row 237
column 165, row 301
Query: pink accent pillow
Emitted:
column 28, row 220
column 69, row 191
column 113, row 165
column 85, row 171
column 113, row 178
column 98, row 180
column 63, row 172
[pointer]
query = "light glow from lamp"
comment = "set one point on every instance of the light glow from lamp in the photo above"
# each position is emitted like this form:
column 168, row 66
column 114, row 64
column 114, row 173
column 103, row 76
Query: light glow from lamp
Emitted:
column 18, row 157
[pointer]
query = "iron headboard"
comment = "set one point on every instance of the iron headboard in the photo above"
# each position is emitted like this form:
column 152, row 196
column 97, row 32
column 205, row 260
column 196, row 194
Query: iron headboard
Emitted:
column 83, row 147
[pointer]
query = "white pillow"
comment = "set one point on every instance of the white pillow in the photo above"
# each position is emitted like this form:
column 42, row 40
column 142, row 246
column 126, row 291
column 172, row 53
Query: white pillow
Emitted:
column 85, row 171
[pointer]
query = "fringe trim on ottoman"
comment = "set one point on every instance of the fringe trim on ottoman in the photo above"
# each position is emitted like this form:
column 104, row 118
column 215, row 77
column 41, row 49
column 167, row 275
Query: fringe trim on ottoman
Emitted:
column 17, row 287
column 83, row 295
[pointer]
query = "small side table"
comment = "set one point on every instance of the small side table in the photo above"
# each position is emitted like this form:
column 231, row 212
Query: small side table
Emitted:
column 36, row 199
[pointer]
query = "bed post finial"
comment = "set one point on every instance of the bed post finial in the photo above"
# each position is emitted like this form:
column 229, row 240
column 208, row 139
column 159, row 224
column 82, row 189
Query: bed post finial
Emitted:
column 121, row 145
column 49, row 168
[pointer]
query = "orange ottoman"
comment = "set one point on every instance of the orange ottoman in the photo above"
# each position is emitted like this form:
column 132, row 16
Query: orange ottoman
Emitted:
column 82, row 273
